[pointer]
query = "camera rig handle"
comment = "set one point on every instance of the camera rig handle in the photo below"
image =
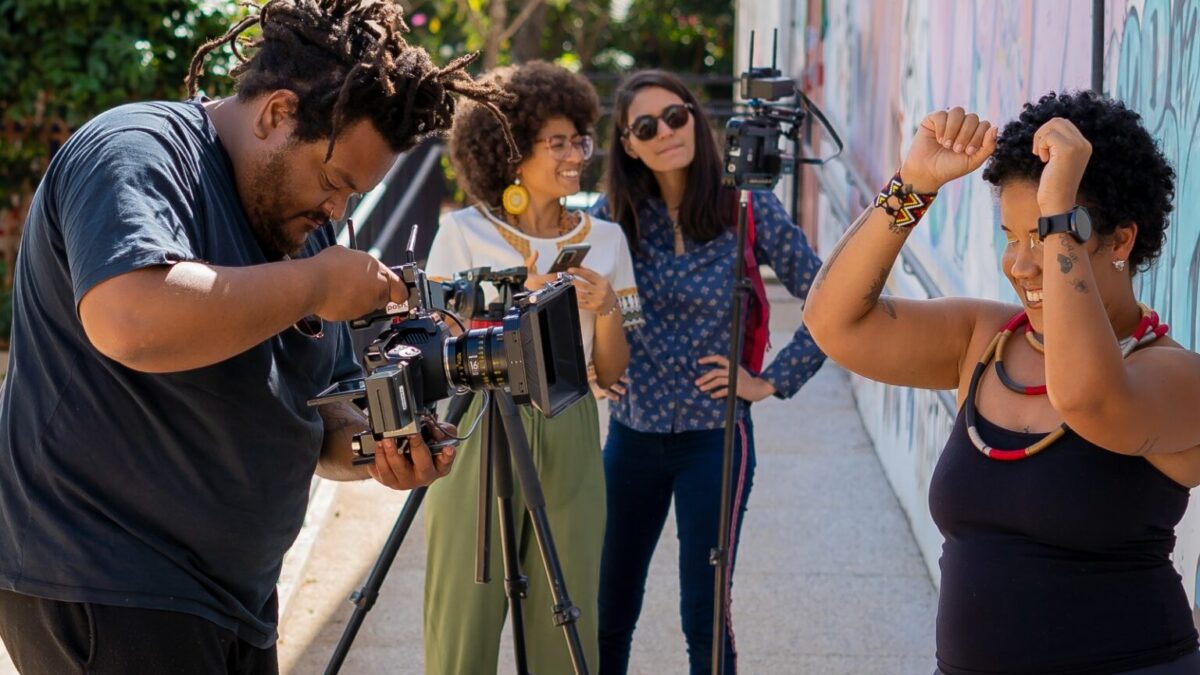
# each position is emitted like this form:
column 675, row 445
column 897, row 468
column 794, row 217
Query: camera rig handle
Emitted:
column 414, row 280
column 418, row 290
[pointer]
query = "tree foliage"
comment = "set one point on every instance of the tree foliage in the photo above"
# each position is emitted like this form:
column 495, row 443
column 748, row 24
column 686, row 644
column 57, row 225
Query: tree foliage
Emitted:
column 64, row 61
column 690, row 36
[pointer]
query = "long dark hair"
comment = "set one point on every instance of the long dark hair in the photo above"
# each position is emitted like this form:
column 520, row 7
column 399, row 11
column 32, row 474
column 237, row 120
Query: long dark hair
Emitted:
column 706, row 208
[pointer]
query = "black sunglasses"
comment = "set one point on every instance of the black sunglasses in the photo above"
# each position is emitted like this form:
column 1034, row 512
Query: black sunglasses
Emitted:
column 645, row 127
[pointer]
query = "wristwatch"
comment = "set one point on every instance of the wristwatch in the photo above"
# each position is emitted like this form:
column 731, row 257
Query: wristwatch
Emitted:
column 1077, row 222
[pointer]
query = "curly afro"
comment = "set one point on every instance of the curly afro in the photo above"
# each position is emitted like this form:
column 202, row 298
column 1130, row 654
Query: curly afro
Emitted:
column 1127, row 179
column 540, row 91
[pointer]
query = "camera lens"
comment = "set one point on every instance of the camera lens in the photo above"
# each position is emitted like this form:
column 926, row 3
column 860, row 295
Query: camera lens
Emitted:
column 477, row 360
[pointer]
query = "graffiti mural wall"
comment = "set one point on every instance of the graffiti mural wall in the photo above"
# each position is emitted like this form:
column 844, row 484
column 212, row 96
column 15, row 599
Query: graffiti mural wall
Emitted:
column 1152, row 61
column 886, row 64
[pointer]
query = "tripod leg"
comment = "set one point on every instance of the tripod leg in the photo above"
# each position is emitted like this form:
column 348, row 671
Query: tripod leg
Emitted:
column 566, row 614
column 483, row 505
column 516, row 584
column 364, row 598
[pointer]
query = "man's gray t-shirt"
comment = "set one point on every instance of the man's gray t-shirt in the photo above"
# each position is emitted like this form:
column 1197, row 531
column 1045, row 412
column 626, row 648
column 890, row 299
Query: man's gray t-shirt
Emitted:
column 178, row 491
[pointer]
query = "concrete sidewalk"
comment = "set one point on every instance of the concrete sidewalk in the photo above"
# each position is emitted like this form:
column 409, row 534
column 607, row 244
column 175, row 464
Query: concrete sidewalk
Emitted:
column 829, row 579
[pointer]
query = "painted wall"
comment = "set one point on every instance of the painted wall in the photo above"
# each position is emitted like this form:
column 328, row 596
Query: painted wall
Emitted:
column 878, row 66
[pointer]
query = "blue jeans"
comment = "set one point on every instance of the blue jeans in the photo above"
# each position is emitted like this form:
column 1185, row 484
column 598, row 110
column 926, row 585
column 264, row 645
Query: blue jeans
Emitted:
column 643, row 471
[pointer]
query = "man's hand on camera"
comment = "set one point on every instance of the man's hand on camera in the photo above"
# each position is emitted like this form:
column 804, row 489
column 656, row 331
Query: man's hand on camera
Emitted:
column 352, row 283
column 406, row 463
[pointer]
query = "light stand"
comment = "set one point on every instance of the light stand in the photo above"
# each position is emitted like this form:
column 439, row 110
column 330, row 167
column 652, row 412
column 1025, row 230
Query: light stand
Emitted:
column 752, row 161
column 721, row 557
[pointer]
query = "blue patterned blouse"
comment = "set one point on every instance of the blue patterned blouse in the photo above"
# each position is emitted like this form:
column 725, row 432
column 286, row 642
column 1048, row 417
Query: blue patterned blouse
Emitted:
column 685, row 302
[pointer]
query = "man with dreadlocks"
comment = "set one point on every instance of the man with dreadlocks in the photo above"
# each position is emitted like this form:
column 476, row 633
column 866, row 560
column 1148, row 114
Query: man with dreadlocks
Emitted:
column 179, row 298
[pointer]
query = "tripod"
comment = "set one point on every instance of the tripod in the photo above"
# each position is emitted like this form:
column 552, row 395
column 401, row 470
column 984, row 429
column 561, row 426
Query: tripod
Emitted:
column 498, row 454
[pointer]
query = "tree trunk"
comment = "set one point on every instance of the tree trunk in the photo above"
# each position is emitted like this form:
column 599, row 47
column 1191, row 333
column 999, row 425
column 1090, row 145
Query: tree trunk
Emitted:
column 527, row 43
column 497, row 22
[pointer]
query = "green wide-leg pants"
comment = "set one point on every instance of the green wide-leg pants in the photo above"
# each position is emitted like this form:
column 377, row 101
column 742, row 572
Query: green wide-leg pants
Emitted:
column 463, row 620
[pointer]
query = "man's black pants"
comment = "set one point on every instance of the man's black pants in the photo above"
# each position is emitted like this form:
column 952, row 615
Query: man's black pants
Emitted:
column 48, row 637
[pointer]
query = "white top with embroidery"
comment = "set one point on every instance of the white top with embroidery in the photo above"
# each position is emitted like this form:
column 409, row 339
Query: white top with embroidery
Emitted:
column 471, row 237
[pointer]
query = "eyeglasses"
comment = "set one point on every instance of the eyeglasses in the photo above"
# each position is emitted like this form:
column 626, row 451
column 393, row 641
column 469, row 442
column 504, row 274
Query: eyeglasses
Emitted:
column 560, row 146
column 645, row 127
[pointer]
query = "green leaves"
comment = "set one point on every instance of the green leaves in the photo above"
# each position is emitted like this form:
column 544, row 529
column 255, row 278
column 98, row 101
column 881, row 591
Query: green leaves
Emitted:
column 64, row 61
column 689, row 36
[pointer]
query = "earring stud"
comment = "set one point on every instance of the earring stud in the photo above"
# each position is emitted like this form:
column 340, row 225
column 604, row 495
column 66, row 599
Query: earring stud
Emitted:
column 1119, row 265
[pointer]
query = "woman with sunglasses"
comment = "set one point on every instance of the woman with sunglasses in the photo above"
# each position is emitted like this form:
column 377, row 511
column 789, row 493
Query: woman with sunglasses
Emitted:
column 666, row 434
column 519, row 219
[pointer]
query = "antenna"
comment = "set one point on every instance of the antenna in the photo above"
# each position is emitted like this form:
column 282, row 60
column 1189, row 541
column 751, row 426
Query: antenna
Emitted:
column 774, row 48
column 410, row 251
column 751, row 66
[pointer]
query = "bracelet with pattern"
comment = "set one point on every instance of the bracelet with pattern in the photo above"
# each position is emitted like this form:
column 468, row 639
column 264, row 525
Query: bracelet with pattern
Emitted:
column 910, row 206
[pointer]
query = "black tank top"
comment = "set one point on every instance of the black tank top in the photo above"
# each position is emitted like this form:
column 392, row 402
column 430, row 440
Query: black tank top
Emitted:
column 1058, row 563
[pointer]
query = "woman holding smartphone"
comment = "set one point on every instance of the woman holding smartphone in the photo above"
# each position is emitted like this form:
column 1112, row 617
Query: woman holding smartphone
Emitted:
column 519, row 220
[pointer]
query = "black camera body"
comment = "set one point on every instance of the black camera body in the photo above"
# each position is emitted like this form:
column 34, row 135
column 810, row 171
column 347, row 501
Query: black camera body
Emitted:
column 752, row 155
column 536, row 352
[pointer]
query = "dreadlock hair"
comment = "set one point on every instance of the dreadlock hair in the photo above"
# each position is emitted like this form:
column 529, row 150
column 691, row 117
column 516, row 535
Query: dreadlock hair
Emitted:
column 347, row 60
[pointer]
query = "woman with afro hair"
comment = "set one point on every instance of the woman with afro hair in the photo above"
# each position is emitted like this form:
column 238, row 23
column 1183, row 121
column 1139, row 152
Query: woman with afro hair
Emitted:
column 518, row 218
column 1076, row 441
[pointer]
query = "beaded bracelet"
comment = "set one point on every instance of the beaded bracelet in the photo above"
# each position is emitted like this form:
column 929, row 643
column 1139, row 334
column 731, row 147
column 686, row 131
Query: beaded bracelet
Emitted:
column 911, row 205
column 609, row 312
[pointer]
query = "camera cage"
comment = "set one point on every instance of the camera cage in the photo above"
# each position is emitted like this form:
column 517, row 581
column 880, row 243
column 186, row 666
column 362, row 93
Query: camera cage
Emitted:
column 536, row 352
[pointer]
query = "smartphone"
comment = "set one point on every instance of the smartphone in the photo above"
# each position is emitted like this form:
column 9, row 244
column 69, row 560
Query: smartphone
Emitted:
column 570, row 256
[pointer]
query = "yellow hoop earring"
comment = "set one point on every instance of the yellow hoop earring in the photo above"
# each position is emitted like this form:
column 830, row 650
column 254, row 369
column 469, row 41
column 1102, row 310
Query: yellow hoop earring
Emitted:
column 515, row 198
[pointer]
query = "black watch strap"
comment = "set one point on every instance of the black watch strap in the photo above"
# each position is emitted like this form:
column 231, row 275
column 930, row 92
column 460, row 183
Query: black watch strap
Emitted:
column 1057, row 224
column 1077, row 222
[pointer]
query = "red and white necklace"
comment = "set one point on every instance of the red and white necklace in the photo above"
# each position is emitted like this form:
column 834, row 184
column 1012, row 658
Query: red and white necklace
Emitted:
column 1148, row 330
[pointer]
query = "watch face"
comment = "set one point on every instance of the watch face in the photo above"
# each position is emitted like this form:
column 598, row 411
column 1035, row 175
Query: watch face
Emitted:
column 1082, row 221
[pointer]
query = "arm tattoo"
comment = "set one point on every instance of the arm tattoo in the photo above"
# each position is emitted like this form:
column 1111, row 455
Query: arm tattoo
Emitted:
column 1146, row 446
column 1080, row 285
column 1064, row 263
column 837, row 250
column 873, row 298
column 1067, row 261
column 342, row 417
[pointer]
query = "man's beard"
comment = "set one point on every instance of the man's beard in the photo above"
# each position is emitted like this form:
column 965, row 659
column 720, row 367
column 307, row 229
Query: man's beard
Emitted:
column 268, row 186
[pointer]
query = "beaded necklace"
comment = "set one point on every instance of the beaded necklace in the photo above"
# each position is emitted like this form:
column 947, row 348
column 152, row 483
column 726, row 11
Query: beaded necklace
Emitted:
column 1148, row 330
column 1148, row 316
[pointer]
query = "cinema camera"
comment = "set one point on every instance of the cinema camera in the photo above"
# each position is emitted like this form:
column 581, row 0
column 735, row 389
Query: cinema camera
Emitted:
column 753, row 159
column 536, row 353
